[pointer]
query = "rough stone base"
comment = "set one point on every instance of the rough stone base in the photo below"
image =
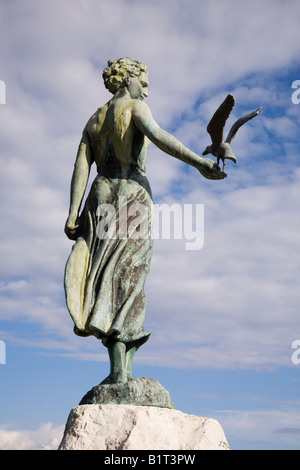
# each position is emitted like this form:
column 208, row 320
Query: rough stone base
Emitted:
column 129, row 427
column 141, row 391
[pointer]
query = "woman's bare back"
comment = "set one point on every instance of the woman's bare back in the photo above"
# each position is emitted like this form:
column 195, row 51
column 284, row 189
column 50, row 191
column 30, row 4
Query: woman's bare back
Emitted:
column 116, row 141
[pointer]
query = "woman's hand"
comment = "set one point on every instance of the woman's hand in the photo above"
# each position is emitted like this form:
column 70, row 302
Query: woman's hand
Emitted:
column 72, row 227
column 210, row 170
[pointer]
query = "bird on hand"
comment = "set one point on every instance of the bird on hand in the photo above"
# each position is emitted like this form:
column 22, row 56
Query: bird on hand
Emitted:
column 215, row 128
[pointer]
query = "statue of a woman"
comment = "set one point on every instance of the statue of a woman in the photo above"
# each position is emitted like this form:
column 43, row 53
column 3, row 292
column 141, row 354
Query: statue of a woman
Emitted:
column 106, row 270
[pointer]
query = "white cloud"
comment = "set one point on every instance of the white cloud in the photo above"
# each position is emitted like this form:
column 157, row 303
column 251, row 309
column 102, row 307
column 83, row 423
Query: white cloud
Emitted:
column 268, row 429
column 46, row 437
column 235, row 302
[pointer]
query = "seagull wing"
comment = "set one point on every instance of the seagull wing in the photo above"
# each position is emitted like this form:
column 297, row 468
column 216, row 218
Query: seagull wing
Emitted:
column 216, row 125
column 239, row 123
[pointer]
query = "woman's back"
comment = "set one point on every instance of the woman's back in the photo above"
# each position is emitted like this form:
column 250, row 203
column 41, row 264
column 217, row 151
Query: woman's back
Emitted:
column 118, row 146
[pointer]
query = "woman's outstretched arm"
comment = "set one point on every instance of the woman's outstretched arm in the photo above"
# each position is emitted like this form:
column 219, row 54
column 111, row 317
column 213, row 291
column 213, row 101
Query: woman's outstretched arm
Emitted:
column 169, row 144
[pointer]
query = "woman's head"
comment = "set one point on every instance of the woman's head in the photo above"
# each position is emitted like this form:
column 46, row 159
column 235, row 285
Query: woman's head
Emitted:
column 117, row 70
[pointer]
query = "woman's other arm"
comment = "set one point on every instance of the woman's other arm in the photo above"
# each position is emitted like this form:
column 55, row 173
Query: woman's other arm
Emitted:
column 79, row 181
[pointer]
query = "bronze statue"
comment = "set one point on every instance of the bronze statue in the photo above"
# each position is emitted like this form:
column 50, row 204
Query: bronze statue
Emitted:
column 105, row 274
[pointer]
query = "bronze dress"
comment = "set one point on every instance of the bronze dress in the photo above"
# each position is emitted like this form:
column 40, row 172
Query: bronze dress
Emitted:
column 106, row 272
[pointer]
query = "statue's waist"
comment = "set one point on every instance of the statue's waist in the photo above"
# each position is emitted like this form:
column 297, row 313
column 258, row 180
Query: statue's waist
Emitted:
column 132, row 174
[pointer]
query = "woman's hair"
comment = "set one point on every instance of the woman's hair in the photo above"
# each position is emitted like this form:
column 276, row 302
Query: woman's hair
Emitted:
column 117, row 70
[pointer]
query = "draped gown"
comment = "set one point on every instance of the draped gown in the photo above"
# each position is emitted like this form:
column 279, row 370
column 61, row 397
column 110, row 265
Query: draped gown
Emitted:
column 106, row 272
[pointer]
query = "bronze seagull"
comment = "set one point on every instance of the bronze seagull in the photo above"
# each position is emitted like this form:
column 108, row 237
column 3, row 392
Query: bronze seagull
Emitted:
column 215, row 128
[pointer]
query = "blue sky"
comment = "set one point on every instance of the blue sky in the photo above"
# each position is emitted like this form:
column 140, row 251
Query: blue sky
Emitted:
column 223, row 318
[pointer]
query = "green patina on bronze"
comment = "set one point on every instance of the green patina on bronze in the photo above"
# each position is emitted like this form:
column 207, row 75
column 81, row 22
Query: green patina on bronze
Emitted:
column 104, row 278
column 140, row 391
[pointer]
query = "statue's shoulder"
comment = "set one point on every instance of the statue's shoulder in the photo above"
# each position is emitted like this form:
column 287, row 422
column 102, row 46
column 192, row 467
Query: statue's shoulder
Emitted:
column 140, row 109
column 97, row 123
column 139, row 104
column 124, row 108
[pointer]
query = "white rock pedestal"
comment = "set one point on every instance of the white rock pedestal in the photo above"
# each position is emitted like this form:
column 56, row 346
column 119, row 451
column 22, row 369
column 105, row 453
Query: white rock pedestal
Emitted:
column 130, row 427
